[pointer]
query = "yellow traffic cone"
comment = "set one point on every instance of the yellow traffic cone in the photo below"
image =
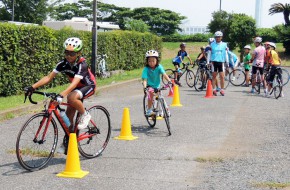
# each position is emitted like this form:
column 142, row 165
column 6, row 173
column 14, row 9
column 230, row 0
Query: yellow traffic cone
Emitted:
column 126, row 133
column 72, row 166
column 175, row 101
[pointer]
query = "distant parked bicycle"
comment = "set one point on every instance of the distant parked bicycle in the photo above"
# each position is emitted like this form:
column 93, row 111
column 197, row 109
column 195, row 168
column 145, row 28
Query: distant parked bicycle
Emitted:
column 37, row 139
column 160, row 107
column 203, row 74
column 236, row 77
column 277, row 84
column 189, row 75
column 102, row 70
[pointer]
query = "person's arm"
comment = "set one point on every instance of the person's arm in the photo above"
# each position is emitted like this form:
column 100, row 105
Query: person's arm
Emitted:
column 189, row 60
column 45, row 80
column 144, row 83
column 166, row 77
column 208, row 56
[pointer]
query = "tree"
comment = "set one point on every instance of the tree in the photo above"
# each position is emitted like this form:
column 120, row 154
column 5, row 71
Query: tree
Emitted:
column 220, row 22
column 136, row 25
column 33, row 11
column 280, row 8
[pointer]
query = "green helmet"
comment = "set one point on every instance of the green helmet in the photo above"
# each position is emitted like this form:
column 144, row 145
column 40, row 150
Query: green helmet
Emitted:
column 73, row 44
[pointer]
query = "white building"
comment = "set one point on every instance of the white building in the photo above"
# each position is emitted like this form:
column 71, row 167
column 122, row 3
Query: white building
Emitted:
column 78, row 23
column 187, row 29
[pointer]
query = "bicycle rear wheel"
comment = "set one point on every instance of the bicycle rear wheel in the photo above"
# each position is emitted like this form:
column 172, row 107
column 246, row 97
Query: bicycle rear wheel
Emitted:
column 285, row 76
column 170, row 74
column 166, row 116
column 151, row 120
column 190, row 78
column 33, row 153
column 277, row 87
column 239, row 77
column 98, row 133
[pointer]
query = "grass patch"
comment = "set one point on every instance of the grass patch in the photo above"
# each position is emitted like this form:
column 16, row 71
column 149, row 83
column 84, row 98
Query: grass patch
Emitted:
column 271, row 185
column 34, row 153
column 209, row 160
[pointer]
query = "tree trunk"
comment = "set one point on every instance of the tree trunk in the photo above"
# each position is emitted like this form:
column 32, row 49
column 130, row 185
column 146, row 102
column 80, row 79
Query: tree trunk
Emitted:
column 286, row 17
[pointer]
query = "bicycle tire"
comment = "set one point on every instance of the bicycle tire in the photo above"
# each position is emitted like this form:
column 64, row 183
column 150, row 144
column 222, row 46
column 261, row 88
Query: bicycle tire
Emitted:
column 190, row 78
column 277, row 87
column 100, row 128
column 199, row 80
column 152, row 119
column 240, row 77
column 170, row 74
column 33, row 155
column 227, row 79
column 285, row 76
column 166, row 116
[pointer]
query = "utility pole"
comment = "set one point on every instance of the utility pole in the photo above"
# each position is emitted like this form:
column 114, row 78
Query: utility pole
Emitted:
column 94, row 38
column 13, row 4
column 220, row 5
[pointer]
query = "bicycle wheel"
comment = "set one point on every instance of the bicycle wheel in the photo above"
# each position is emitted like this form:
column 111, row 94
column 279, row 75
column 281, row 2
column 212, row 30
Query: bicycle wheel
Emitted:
column 166, row 115
column 33, row 153
column 199, row 82
column 285, row 76
column 239, row 78
column 227, row 78
column 98, row 133
column 190, row 78
column 170, row 74
column 277, row 87
column 151, row 120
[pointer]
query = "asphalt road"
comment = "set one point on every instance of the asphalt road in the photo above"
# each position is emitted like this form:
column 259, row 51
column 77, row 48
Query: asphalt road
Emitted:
column 209, row 139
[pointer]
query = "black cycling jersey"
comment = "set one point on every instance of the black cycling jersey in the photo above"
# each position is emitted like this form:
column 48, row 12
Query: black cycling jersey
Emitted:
column 79, row 70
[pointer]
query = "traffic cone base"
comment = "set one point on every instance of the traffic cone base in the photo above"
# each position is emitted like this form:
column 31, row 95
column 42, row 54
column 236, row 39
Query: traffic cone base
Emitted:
column 209, row 92
column 176, row 101
column 72, row 166
column 126, row 133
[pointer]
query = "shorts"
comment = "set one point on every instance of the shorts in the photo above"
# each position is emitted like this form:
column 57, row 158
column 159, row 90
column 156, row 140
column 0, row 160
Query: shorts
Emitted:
column 175, row 63
column 218, row 67
column 273, row 72
column 247, row 67
column 85, row 91
column 255, row 69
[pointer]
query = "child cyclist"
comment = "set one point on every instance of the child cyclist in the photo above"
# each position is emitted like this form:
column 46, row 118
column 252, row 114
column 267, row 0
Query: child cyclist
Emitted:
column 151, row 75
column 181, row 54
column 82, row 82
column 247, row 66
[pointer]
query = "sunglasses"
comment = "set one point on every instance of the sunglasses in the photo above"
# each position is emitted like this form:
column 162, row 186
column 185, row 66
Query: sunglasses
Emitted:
column 70, row 53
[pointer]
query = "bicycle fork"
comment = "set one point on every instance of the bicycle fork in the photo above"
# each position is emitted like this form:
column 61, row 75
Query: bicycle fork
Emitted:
column 44, row 119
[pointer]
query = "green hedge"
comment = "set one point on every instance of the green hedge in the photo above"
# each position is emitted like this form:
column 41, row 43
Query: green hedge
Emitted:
column 187, row 38
column 27, row 53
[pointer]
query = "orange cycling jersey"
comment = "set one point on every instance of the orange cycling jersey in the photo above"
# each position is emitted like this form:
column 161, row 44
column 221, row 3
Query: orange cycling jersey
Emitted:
column 272, row 58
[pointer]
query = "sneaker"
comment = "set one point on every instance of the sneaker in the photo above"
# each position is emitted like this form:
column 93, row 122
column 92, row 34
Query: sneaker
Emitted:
column 245, row 85
column 218, row 89
column 202, row 87
column 282, row 95
column 61, row 149
column 177, row 82
column 149, row 112
column 234, row 78
column 222, row 92
column 84, row 120
column 253, row 91
column 214, row 93
column 179, row 70
column 267, row 95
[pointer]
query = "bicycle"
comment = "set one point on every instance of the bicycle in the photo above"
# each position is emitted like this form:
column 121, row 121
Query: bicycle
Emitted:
column 277, row 84
column 236, row 77
column 190, row 76
column 159, row 106
column 102, row 66
column 203, row 74
column 38, row 137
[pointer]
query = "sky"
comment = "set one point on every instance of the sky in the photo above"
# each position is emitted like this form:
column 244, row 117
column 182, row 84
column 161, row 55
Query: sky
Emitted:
column 199, row 12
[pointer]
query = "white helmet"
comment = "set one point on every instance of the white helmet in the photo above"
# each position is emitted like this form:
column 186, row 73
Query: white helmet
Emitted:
column 272, row 44
column 218, row 34
column 247, row 47
column 74, row 44
column 258, row 40
column 152, row 53
column 210, row 40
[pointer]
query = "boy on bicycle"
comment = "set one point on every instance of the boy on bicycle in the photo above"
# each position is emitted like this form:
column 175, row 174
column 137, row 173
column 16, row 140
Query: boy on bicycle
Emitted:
column 274, row 62
column 82, row 85
column 179, row 59
column 247, row 66
column 151, row 76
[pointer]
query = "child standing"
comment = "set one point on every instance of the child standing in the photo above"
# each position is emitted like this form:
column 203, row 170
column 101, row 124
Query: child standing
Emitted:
column 151, row 76
column 247, row 66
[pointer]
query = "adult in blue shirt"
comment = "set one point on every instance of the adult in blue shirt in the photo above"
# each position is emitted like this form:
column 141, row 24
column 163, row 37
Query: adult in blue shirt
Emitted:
column 217, row 56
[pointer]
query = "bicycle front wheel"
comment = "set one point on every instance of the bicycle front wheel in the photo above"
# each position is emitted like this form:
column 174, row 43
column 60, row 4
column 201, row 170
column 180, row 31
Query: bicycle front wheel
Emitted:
column 166, row 116
column 285, row 76
column 199, row 81
column 33, row 152
column 94, row 139
column 237, row 77
column 190, row 78
column 170, row 74
column 151, row 120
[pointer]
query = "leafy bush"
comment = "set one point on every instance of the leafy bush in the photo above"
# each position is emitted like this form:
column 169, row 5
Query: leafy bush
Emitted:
column 268, row 34
column 27, row 53
column 284, row 36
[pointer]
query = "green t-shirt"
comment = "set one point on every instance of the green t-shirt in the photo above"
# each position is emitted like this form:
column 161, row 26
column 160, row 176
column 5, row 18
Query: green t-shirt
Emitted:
column 153, row 76
column 247, row 58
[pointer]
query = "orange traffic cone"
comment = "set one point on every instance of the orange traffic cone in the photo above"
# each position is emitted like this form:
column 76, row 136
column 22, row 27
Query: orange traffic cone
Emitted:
column 171, row 94
column 126, row 133
column 209, row 90
column 72, row 166
column 175, row 101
